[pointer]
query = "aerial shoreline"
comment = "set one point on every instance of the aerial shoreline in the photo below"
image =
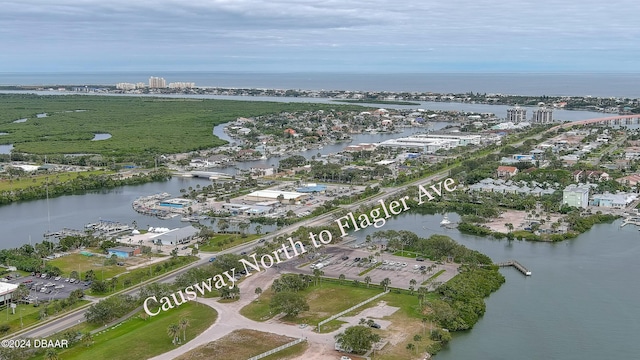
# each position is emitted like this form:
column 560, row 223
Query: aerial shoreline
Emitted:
column 605, row 104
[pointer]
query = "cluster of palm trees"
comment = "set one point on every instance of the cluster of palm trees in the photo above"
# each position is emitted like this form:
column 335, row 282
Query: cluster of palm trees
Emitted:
column 174, row 331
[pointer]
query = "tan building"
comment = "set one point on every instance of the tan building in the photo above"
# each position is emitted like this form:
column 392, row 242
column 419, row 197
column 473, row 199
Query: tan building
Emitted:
column 507, row 171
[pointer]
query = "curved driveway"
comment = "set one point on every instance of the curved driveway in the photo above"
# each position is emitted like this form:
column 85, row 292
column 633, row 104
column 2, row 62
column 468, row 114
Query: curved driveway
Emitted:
column 229, row 319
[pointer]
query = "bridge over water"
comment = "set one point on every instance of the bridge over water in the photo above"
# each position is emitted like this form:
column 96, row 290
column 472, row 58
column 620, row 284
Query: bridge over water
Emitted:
column 212, row 175
column 609, row 120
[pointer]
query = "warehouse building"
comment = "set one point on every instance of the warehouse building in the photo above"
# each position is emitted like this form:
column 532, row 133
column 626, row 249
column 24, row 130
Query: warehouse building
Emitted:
column 282, row 196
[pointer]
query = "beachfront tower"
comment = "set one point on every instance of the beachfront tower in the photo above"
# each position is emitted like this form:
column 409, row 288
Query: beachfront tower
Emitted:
column 516, row 115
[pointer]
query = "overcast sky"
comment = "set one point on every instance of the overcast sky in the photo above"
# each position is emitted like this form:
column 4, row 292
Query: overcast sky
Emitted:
column 372, row 36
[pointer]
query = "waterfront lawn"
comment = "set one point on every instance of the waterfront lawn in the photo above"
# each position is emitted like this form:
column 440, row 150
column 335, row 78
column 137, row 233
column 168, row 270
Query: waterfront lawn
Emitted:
column 243, row 344
column 225, row 241
column 136, row 338
column 407, row 254
column 81, row 264
column 325, row 299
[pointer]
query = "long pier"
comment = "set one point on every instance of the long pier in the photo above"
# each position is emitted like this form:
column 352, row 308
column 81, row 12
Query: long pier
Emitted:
column 516, row 265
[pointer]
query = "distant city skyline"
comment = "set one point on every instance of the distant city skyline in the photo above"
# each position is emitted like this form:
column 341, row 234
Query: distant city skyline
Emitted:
column 373, row 36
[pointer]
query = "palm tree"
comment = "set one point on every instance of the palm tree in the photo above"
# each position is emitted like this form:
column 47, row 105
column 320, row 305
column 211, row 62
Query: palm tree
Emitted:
column 367, row 280
column 173, row 331
column 424, row 324
column 183, row 324
column 411, row 347
column 385, row 283
column 114, row 282
column 258, row 229
column 317, row 273
column 258, row 291
column 223, row 224
column 243, row 226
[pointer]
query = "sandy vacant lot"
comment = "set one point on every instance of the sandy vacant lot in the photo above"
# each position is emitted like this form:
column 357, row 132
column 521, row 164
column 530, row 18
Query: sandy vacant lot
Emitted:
column 516, row 218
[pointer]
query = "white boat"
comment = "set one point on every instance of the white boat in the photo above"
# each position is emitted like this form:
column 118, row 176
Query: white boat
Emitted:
column 445, row 221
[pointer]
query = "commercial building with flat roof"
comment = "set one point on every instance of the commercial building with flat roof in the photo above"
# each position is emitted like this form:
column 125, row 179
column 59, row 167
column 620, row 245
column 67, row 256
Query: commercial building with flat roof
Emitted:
column 266, row 195
column 123, row 251
column 175, row 236
column 6, row 291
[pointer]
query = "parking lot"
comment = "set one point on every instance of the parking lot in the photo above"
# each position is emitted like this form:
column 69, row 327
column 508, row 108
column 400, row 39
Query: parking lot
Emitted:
column 49, row 287
column 399, row 270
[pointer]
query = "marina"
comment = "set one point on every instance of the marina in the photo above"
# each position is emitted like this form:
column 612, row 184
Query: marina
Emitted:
column 148, row 205
column 106, row 228
column 631, row 220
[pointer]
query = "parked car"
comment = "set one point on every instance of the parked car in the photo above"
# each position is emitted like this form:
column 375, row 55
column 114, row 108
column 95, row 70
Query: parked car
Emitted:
column 419, row 259
column 375, row 326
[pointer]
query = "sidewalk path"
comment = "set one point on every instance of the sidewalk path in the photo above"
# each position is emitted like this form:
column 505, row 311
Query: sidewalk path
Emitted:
column 229, row 319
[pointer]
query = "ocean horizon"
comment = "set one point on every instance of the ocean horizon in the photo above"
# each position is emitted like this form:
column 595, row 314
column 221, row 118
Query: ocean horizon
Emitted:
column 624, row 85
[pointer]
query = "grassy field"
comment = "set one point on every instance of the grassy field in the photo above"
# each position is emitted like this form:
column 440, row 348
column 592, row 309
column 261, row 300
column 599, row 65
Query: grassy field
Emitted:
column 136, row 124
column 41, row 180
column 324, row 300
column 81, row 264
column 226, row 241
column 331, row 298
column 243, row 344
column 27, row 315
column 141, row 339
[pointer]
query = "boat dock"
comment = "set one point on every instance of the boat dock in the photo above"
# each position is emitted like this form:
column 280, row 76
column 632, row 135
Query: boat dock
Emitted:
column 516, row 265
column 633, row 220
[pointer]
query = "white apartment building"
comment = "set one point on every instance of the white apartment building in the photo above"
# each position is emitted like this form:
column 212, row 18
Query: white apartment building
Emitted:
column 125, row 86
column 157, row 83
column 182, row 85
column 542, row 116
column 516, row 115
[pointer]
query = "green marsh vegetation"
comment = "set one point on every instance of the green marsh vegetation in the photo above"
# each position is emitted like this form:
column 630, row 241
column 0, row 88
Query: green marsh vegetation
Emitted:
column 137, row 125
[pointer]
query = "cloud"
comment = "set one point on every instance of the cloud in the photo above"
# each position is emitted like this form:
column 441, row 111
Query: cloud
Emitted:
column 206, row 31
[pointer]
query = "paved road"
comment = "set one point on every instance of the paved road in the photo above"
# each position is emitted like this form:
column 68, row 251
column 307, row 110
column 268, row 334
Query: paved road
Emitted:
column 229, row 319
column 66, row 321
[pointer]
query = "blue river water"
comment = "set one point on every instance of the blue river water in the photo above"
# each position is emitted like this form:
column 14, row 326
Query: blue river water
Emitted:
column 580, row 303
